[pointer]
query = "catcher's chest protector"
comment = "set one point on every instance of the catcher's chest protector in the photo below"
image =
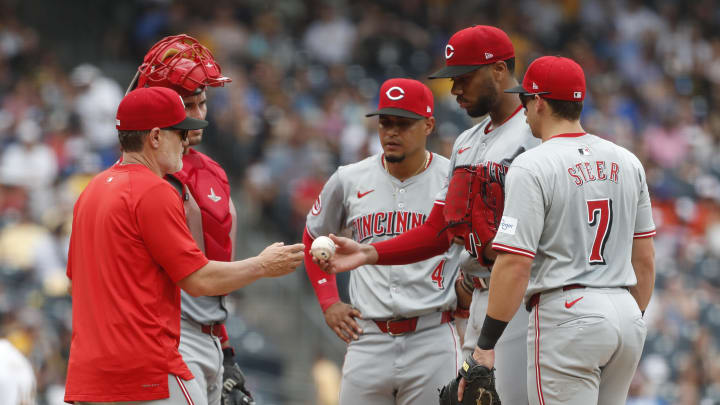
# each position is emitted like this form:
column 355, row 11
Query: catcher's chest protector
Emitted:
column 209, row 186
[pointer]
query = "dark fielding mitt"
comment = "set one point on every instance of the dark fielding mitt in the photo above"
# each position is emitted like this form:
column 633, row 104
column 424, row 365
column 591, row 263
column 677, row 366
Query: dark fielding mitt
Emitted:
column 234, row 391
column 479, row 387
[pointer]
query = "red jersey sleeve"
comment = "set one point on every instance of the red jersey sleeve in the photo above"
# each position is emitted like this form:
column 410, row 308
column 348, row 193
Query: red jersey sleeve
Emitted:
column 161, row 220
column 325, row 285
column 420, row 243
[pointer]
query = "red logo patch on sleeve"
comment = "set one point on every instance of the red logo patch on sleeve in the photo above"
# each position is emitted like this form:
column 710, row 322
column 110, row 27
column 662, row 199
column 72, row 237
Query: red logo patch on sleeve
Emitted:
column 317, row 207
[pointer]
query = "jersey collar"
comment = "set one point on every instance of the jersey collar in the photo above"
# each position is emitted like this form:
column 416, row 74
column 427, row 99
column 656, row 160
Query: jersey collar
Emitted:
column 488, row 128
column 571, row 135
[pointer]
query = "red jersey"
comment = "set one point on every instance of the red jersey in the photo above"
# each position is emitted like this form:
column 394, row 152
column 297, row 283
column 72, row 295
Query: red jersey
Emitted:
column 128, row 248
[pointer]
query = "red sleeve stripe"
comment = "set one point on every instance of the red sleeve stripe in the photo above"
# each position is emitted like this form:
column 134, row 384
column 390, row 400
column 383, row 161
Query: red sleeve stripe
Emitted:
column 312, row 238
column 511, row 249
column 439, row 202
column 641, row 235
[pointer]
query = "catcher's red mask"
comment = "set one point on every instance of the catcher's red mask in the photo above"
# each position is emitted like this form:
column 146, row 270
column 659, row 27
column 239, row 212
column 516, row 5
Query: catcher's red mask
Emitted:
column 181, row 63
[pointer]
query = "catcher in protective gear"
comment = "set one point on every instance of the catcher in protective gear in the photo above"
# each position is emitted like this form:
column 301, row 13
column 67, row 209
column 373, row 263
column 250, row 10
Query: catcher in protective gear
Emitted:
column 479, row 386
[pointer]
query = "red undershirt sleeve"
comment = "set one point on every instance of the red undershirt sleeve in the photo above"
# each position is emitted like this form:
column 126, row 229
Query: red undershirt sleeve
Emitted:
column 324, row 284
column 417, row 244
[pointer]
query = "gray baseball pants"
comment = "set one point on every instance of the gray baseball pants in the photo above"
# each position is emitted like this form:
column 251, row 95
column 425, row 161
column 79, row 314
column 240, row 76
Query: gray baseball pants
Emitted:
column 583, row 346
column 381, row 369
column 203, row 355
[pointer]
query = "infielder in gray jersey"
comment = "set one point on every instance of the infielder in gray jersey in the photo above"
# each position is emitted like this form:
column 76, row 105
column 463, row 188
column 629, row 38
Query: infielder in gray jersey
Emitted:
column 480, row 61
column 577, row 231
column 402, row 341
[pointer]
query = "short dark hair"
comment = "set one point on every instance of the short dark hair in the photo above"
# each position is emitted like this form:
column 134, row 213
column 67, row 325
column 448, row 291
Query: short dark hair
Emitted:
column 569, row 110
column 510, row 64
column 132, row 141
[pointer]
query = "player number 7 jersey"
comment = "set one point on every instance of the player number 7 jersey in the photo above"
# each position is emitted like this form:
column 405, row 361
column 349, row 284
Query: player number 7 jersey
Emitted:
column 595, row 192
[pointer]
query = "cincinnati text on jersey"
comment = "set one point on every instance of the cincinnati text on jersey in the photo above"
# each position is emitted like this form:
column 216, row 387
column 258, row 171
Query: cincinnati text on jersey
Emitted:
column 593, row 172
column 386, row 223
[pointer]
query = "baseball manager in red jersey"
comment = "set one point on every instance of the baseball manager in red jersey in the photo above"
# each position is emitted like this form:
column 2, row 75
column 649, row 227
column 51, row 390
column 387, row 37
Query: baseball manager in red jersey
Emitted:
column 130, row 250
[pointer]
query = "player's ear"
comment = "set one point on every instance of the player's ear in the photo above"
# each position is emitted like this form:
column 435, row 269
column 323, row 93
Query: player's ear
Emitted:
column 499, row 70
column 429, row 125
column 540, row 105
column 153, row 138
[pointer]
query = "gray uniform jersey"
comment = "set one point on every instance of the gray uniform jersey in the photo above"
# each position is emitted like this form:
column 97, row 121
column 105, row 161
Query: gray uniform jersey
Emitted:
column 494, row 148
column 364, row 198
column 595, row 193
column 204, row 310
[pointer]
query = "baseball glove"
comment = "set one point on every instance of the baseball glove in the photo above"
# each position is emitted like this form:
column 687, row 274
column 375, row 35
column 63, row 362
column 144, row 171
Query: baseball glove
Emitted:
column 464, row 186
column 486, row 216
column 473, row 208
column 234, row 391
column 479, row 386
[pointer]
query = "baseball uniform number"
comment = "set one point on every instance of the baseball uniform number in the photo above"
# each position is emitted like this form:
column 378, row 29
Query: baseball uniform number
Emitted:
column 437, row 274
column 600, row 214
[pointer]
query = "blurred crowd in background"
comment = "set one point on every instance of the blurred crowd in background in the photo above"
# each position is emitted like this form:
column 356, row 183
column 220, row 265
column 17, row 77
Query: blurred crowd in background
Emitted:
column 304, row 74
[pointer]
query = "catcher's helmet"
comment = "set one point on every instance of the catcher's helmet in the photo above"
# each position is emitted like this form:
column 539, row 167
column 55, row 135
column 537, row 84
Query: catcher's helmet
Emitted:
column 181, row 63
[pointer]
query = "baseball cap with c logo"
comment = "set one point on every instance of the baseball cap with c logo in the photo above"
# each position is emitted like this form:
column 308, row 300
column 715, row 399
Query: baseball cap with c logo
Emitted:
column 473, row 47
column 404, row 98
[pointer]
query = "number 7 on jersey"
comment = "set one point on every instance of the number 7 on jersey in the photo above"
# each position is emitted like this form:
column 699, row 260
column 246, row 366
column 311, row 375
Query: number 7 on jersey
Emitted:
column 600, row 214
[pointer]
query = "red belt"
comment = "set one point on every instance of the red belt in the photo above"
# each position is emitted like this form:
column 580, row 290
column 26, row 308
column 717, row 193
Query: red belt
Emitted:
column 396, row 327
column 535, row 299
column 213, row 330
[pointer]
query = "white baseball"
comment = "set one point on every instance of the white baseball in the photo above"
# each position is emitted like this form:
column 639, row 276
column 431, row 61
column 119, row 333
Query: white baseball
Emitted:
column 322, row 248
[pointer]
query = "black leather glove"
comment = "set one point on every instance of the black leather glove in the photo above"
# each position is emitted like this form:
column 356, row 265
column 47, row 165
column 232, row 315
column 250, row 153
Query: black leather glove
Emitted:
column 234, row 391
column 479, row 386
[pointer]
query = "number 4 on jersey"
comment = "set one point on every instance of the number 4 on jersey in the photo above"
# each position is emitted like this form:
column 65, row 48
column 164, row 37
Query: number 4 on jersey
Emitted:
column 437, row 274
column 600, row 214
